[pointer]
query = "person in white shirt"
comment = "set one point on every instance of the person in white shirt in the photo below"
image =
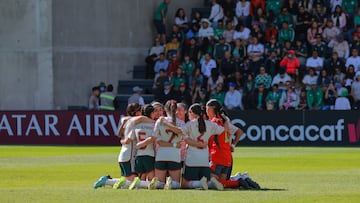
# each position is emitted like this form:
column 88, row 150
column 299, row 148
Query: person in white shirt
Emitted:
column 315, row 62
column 280, row 79
column 242, row 11
column 233, row 98
column 354, row 60
column 136, row 97
column 216, row 13
column 206, row 30
column 342, row 102
column 310, row 78
column 207, row 65
column 241, row 32
column 255, row 51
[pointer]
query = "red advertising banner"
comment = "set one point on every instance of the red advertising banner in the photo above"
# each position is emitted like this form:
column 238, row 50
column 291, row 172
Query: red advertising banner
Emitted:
column 59, row 127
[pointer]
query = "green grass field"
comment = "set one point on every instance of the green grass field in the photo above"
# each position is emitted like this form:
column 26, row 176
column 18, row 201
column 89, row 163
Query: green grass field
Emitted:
column 66, row 174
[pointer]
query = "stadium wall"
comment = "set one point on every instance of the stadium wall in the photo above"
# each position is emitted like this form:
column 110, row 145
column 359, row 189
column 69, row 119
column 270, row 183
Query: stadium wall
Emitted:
column 282, row 128
column 53, row 51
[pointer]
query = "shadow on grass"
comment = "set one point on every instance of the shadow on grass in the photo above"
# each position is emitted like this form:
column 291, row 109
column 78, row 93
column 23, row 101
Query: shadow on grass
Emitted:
column 271, row 189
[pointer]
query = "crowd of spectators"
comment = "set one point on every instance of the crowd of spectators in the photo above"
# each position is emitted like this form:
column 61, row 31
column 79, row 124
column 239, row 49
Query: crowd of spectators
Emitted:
column 265, row 55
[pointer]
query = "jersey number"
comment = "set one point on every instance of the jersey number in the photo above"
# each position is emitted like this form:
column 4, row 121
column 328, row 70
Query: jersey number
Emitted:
column 199, row 139
column 142, row 138
column 168, row 131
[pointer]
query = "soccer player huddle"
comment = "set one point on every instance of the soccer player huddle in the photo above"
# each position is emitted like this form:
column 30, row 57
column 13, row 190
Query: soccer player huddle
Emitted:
column 187, row 148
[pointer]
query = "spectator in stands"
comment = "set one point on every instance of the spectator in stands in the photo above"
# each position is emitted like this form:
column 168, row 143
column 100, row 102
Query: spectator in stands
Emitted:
column 227, row 65
column 270, row 32
column 255, row 5
column 330, row 33
column 136, row 97
column 260, row 17
column 196, row 80
column 291, row 64
column 178, row 78
column 94, row 99
column 289, row 99
column 354, row 60
column 192, row 50
column 286, row 47
column 259, row 96
column 183, row 94
column 315, row 62
column 349, row 76
column 355, row 91
column 199, row 96
column 216, row 13
column 320, row 15
column 218, row 93
column 166, row 94
column 329, row 97
column 338, row 76
column 319, row 46
column 303, row 21
column 249, row 87
column 302, row 100
column 239, row 50
column 173, row 65
column 263, row 78
column 313, row 32
column 207, row 65
column 314, row 97
column 273, row 98
column 102, row 87
column 162, row 63
column 172, row 47
column 192, row 33
column 281, row 80
column 228, row 32
column 273, row 6
column 341, row 47
column 243, row 11
column 292, row 8
column 324, row 79
column 241, row 32
column 214, row 80
column 272, row 48
column 334, row 4
column 307, row 4
column 339, row 18
column 181, row 20
column 220, row 49
column 178, row 33
column 159, row 82
column 219, row 30
column 285, row 16
column 206, row 31
column 160, row 20
column 310, row 78
column 196, row 18
column 301, row 51
column 188, row 66
column 230, row 16
column 233, row 98
column 154, row 55
column 236, row 78
column 255, row 51
column 256, row 31
column 228, row 6
column 107, row 99
column 286, row 33
column 342, row 102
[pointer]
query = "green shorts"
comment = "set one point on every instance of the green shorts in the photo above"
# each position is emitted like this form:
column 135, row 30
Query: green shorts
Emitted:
column 144, row 164
column 196, row 173
column 167, row 165
column 126, row 169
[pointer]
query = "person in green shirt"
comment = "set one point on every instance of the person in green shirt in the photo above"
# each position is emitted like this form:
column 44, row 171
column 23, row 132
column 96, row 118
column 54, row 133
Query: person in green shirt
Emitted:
column 314, row 97
column 274, row 6
column 273, row 98
column 218, row 94
column 219, row 30
column 286, row 33
column 188, row 66
column 160, row 20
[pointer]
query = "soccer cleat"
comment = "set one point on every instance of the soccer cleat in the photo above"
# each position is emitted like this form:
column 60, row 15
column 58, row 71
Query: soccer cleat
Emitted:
column 254, row 185
column 153, row 183
column 236, row 176
column 217, row 184
column 204, row 183
column 167, row 185
column 119, row 183
column 101, row 181
column 243, row 184
column 134, row 183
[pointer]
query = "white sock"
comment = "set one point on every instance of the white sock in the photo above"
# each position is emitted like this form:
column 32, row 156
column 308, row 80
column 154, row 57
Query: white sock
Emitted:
column 195, row 184
column 111, row 181
column 175, row 185
column 160, row 185
column 126, row 185
column 143, row 184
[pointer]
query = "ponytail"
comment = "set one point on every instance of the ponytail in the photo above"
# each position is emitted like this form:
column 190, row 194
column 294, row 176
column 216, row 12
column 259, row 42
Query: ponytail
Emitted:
column 196, row 109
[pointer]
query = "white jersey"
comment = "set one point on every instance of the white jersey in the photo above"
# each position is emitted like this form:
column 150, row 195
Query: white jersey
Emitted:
column 162, row 132
column 143, row 131
column 128, row 151
column 196, row 157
